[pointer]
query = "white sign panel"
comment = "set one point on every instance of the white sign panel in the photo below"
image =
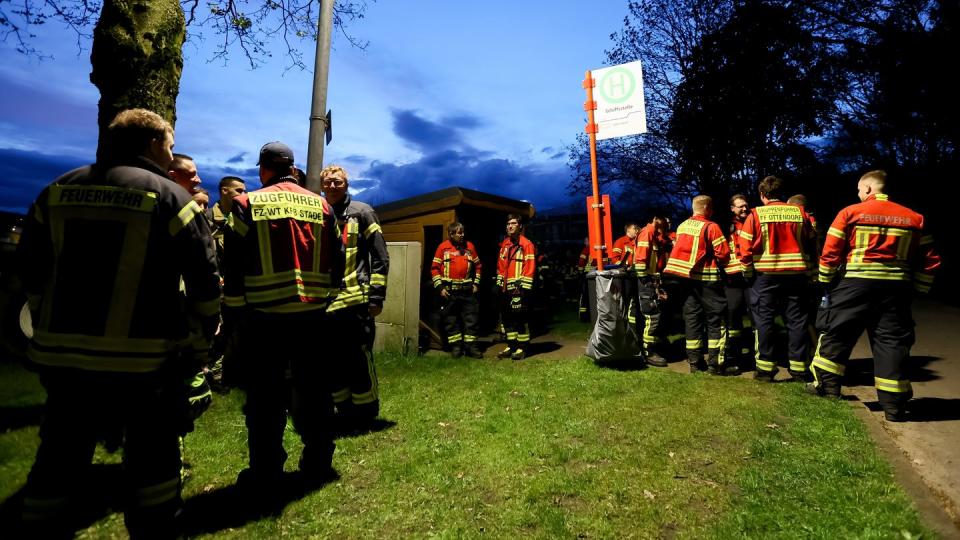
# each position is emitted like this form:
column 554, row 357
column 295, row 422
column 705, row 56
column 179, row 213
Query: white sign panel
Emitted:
column 619, row 96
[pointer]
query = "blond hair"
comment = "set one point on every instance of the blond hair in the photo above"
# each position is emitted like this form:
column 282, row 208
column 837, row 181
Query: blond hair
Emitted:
column 877, row 178
column 334, row 170
column 701, row 203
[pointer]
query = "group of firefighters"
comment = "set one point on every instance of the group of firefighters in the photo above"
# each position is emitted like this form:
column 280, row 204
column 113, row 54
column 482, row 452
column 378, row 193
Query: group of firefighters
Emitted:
column 123, row 279
column 136, row 251
column 875, row 254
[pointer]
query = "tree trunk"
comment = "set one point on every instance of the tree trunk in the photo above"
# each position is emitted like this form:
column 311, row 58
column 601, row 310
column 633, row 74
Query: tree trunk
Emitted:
column 137, row 59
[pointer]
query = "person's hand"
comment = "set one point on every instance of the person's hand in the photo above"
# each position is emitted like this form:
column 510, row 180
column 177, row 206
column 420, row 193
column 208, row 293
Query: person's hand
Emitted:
column 375, row 309
column 444, row 293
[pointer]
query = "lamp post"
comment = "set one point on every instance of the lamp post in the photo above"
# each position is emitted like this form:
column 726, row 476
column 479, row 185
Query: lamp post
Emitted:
column 319, row 119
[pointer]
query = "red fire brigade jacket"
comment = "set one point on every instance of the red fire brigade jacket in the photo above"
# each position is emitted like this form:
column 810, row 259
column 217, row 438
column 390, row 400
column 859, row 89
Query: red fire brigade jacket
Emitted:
column 516, row 265
column 454, row 267
column 651, row 254
column 879, row 239
column 699, row 251
column 777, row 238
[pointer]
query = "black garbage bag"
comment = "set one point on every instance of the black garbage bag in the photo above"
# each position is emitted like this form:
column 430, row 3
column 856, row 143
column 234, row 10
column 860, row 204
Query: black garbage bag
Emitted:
column 614, row 339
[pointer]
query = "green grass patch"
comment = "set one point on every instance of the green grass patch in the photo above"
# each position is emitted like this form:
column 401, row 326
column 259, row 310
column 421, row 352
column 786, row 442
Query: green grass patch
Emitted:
column 558, row 448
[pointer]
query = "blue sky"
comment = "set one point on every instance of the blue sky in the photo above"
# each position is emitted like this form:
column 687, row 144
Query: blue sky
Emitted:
column 484, row 95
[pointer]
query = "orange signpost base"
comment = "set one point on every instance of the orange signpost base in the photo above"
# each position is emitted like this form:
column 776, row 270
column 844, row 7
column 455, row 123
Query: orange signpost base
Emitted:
column 598, row 209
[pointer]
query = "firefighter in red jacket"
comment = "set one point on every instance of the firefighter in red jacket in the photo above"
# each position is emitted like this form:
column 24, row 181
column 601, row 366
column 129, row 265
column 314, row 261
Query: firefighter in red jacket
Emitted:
column 456, row 277
column 623, row 247
column 873, row 251
column 776, row 252
column 282, row 255
column 103, row 253
column 516, row 266
column 736, row 289
column 650, row 260
column 698, row 255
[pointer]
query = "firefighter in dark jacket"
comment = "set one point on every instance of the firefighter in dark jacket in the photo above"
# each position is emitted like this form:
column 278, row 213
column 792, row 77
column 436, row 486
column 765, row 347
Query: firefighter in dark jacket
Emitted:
column 359, row 300
column 281, row 257
column 455, row 273
column 101, row 259
column 872, row 253
column 516, row 266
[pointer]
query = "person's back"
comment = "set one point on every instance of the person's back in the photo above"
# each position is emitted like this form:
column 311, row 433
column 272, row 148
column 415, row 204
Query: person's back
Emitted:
column 102, row 258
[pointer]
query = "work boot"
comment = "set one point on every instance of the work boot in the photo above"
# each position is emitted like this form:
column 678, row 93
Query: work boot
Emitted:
column 697, row 367
column 764, row 376
column 799, row 377
column 821, row 390
column 656, row 360
column 456, row 351
column 731, row 370
column 505, row 353
column 518, row 354
column 473, row 351
column 899, row 415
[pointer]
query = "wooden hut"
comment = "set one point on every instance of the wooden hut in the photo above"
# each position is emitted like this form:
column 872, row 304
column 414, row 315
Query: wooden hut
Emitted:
column 424, row 219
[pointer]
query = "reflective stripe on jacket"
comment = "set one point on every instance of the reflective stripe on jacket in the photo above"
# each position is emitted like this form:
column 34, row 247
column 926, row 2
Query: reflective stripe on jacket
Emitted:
column 699, row 251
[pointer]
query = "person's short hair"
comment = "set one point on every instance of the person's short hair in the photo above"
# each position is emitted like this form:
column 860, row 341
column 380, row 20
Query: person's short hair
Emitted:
column 658, row 216
column 798, row 199
column 517, row 217
column 179, row 160
column 201, row 190
column 452, row 228
column 629, row 224
column 736, row 196
column 131, row 131
column 701, row 203
column 227, row 180
column 331, row 170
column 771, row 187
column 877, row 177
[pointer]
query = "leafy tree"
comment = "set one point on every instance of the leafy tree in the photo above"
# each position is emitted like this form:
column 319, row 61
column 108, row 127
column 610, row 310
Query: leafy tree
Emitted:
column 137, row 53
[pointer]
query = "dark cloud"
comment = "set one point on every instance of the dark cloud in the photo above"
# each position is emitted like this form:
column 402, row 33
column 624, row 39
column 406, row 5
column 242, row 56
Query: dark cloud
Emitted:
column 546, row 150
column 543, row 186
column 559, row 155
column 428, row 136
column 356, row 159
column 26, row 173
column 239, row 158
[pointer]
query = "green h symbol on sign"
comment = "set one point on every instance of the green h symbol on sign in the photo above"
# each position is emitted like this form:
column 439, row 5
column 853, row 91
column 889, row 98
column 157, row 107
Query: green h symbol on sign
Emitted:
column 617, row 85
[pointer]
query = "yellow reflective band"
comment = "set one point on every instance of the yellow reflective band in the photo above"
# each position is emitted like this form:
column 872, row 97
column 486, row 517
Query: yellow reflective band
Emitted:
column 837, row 233
column 926, row 240
column 923, row 278
column 234, row 301
column 921, row 288
column 265, row 249
column 719, row 240
column 454, row 338
column 786, row 213
column 713, row 343
column 103, row 197
column 694, row 344
column 285, row 277
column 90, row 361
column 103, row 344
column 373, row 228
column 469, row 339
column 380, row 279
column 512, row 336
column 364, row 398
column 237, row 225
column 892, row 385
column 796, row 365
column 184, row 217
column 746, row 236
column 341, row 395
column 765, row 365
column 828, row 366
column 436, row 260
column 292, row 289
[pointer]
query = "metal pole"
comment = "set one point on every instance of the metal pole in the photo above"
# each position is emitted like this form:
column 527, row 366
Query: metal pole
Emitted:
column 318, row 108
column 595, row 212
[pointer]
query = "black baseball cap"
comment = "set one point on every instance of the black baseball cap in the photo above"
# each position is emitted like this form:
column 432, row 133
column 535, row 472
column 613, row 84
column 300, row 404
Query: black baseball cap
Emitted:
column 276, row 153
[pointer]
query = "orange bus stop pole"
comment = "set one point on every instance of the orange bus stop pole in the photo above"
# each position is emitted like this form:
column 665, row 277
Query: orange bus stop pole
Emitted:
column 596, row 224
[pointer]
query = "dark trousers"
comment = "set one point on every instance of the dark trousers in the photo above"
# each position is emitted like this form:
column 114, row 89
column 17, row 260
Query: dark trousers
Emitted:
column 356, row 391
column 147, row 409
column 772, row 294
column 704, row 316
column 739, row 325
column 285, row 372
column 882, row 308
column 516, row 320
column 649, row 309
column 461, row 317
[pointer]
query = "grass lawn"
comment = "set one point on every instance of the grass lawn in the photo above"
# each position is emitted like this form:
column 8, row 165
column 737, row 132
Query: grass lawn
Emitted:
column 545, row 448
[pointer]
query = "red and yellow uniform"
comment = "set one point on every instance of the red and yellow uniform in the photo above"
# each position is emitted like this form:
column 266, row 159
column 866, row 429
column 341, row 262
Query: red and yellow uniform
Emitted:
column 698, row 254
column 623, row 251
column 516, row 267
column 457, row 270
column 778, row 243
column 651, row 252
column 282, row 261
column 877, row 249
column 735, row 290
